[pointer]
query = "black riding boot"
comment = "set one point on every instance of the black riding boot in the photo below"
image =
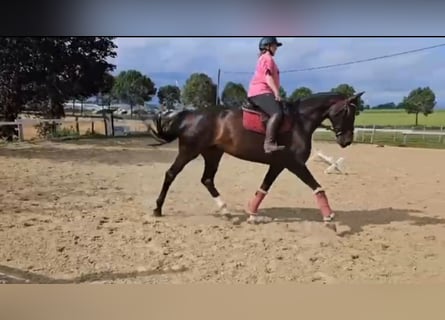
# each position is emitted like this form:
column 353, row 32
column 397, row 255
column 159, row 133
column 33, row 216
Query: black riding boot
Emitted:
column 270, row 144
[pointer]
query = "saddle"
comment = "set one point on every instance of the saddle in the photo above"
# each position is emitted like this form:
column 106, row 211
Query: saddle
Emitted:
column 255, row 119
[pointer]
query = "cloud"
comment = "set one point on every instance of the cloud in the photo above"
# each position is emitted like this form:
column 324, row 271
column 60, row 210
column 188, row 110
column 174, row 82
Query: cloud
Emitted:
column 167, row 60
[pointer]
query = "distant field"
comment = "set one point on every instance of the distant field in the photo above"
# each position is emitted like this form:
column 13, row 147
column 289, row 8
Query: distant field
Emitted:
column 399, row 118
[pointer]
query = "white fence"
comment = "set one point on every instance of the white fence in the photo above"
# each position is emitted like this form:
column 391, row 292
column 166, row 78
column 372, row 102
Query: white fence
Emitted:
column 405, row 133
column 122, row 127
column 371, row 135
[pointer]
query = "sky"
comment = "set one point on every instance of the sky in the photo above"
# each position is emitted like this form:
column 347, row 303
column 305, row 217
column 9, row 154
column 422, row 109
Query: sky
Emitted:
column 172, row 60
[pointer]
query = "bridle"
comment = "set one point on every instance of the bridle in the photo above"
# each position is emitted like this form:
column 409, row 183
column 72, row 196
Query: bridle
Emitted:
column 347, row 108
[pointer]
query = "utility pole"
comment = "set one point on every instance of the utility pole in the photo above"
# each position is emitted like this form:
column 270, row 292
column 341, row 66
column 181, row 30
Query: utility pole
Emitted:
column 217, row 86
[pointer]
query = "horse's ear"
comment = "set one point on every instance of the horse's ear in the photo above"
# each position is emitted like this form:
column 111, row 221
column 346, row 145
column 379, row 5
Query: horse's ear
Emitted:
column 360, row 94
column 356, row 96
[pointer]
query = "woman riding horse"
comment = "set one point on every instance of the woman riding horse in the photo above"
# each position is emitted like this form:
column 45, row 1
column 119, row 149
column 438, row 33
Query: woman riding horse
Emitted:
column 264, row 90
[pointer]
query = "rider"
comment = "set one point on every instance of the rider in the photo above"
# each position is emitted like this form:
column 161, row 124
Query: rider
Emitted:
column 264, row 90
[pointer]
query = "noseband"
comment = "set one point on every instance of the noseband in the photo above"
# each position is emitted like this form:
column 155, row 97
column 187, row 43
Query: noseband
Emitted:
column 346, row 108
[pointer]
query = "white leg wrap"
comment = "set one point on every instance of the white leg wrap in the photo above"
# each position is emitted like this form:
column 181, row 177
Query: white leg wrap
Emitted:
column 262, row 191
column 318, row 190
column 220, row 202
column 221, row 205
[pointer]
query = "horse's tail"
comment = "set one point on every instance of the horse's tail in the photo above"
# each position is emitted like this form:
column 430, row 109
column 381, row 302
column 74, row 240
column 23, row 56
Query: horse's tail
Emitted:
column 167, row 126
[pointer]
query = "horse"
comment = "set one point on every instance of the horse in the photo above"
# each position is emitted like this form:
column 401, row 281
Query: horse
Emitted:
column 240, row 133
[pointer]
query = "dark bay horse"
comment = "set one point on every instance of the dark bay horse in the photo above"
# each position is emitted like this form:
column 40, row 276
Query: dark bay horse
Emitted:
column 211, row 133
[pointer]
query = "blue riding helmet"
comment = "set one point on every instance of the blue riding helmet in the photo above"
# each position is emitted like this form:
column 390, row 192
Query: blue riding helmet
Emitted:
column 266, row 41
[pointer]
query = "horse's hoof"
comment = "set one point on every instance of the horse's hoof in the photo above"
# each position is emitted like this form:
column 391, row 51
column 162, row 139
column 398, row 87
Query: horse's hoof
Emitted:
column 255, row 219
column 331, row 225
column 224, row 211
column 157, row 212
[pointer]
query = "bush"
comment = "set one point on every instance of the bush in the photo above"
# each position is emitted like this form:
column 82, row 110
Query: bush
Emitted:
column 47, row 130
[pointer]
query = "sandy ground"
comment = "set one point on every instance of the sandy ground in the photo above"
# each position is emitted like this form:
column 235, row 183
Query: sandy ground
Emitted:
column 81, row 212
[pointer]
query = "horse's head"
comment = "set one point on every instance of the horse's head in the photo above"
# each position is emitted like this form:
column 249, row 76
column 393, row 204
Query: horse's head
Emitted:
column 342, row 116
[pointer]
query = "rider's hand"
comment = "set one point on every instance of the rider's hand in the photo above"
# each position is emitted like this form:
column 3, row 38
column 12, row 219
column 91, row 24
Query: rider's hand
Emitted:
column 277, row 97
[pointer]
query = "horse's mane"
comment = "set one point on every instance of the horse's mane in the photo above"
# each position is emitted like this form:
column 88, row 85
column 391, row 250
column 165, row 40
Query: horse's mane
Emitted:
column 304, row 103
column 320, row 95
column 307, row 101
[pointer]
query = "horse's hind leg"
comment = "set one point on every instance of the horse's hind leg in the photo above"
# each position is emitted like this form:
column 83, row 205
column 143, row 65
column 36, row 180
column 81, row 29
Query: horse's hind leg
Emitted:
column 212, row 157
column 182, row 159
column 252, row 207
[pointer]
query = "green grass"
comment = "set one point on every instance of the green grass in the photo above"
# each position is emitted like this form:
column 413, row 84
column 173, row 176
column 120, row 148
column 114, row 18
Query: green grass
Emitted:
column 396, row 118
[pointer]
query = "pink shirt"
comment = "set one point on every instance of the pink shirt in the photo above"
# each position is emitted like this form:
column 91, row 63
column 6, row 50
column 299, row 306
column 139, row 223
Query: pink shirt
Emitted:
column 258, row 84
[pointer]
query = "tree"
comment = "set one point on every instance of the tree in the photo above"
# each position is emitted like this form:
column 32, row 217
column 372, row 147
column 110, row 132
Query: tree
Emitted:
column 70, row 67
column 15, row 75
column 420, row 100
column 133, row 87
column 46, row 71
column 386, row 106
column 300, row 93
column 349, row 91
column 233, row 95
column 283, row 93
column 199, row 91
column 169, row 95
column 400, row 105
column 106, row 90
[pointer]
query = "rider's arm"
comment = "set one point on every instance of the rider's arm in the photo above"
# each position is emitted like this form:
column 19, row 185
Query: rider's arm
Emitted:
column 271, row 83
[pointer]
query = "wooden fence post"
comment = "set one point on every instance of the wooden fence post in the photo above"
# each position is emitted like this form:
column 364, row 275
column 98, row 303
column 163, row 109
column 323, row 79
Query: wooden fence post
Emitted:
column 112, row 123
column 77, row 125
column 105, row 124
column 20, row 130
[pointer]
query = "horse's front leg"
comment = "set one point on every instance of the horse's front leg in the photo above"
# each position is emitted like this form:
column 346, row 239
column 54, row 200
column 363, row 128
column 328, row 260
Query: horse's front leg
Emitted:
column 301, row 171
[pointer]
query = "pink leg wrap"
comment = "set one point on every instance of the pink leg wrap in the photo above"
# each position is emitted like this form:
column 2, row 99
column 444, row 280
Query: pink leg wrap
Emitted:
column 323, row 203
column 254, row 204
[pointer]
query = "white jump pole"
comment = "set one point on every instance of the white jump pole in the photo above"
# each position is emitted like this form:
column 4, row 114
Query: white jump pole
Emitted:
column 334, row 165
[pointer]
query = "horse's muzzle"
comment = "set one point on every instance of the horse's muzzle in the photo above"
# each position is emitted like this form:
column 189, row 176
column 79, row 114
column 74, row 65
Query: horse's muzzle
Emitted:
column 344, row 140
